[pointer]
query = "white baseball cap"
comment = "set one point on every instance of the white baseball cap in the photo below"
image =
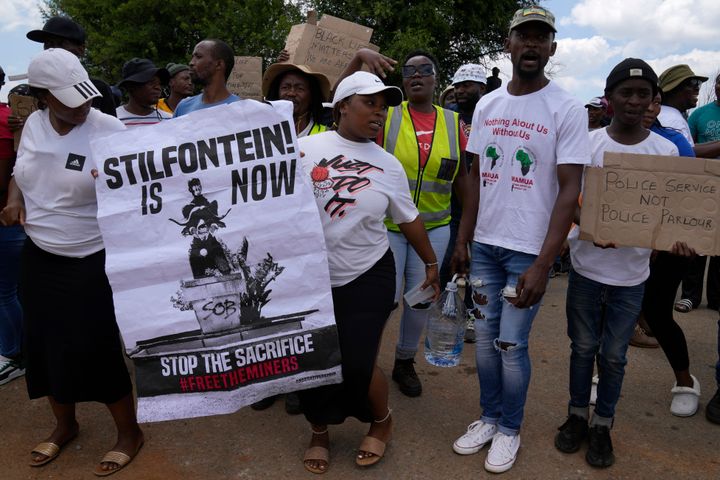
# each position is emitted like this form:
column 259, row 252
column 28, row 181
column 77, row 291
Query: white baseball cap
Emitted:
column 60, row 72
column 470, row 72
column 365, row 83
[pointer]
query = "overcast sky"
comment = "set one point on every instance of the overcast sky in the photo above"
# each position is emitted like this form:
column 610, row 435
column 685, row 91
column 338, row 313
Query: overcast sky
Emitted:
column 593, row 36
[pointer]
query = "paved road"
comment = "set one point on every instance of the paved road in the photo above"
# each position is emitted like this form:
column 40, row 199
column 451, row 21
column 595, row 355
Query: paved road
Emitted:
column 649, row 442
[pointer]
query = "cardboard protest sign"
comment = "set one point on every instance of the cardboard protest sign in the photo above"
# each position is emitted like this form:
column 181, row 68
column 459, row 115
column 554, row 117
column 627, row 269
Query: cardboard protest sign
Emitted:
column 328, row 46
column 246, row 78
column 653, row 201
column 217, row 260
column 21, row 106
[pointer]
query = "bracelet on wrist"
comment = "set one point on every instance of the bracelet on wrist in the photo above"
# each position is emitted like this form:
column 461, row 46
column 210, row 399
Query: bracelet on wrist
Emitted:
column 428, row 265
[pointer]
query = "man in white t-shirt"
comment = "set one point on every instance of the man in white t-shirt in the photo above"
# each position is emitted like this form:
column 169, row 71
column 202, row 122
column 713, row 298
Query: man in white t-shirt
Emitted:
column 606, row 285
column 143, row 82
column 680, row 89
column 531, row 140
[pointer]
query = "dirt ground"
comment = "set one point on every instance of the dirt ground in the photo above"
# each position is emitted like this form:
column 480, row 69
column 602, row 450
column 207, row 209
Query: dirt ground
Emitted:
column 649, row 442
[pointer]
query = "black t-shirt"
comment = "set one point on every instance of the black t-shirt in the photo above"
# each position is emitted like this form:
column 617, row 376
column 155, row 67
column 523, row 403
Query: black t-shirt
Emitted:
column 493, row 83
column 106, row 103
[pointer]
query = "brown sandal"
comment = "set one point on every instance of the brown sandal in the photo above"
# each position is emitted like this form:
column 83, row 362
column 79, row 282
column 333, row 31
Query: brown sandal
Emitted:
column 317, row 454
column 373, row 446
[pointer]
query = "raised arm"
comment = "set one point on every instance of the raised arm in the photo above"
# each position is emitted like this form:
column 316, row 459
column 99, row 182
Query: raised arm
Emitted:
column 375, row 61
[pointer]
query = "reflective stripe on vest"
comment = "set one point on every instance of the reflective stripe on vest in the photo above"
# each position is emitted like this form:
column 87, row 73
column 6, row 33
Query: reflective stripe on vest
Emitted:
column 430, row 186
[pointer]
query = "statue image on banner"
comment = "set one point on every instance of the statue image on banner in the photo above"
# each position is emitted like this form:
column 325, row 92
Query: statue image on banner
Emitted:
column 226, row 293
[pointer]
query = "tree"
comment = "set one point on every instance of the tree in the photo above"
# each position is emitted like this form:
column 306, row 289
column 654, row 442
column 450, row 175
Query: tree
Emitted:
column 167, row 31
column 454, row 31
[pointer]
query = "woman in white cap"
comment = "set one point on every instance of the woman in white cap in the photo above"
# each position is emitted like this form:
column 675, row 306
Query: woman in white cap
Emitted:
column 72, row 344
column 357, row 184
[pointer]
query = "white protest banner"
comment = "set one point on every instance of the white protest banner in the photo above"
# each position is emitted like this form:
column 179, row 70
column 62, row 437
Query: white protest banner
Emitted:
column 217, row 261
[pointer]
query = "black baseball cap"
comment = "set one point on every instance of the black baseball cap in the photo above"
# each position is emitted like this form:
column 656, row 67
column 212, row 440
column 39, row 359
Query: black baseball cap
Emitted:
column 61, row 27
column 632, row 68
column 142, row 70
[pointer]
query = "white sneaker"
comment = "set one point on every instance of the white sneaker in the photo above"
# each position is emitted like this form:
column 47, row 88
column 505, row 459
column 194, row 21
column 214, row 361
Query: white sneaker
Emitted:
column 478, row 434
column 593, row 390
column 685, row 399
column 503, row 453
column 9, row 369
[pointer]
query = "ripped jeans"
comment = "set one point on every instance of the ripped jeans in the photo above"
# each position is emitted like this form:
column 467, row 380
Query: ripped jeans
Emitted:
column 502, row 332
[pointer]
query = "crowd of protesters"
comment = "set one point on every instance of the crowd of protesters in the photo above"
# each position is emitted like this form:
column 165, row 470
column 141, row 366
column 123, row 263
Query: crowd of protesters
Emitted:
column 500, row 209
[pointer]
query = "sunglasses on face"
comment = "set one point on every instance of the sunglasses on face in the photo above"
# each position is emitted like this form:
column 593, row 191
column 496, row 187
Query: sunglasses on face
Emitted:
column 424, row 70
column 693, row 83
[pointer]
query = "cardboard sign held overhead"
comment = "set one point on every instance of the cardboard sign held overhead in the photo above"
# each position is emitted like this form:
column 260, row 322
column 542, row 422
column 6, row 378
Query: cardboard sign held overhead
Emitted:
column 328, row 46
column 21, row 106
column 246, row 78
column 653, row 201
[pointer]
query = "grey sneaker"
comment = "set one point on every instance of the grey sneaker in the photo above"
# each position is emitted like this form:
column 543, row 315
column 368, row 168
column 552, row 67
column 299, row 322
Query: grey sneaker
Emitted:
column 10, row 369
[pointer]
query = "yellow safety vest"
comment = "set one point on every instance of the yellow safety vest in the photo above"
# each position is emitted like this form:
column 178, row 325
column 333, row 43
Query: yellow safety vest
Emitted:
column 317, row 128
column 162, row 105
column 430, row 186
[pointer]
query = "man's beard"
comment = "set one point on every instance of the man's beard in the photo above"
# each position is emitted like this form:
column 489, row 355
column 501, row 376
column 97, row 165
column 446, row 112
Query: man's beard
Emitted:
column 469, row 104
column 198, row 81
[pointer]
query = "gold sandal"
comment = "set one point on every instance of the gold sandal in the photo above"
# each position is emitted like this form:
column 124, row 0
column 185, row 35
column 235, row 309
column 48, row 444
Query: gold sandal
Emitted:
column 121, row 459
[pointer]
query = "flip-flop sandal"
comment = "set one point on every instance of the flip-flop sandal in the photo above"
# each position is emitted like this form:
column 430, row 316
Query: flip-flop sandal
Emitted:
column 317, row 454
column 119, row 458
column 50, row 450
column 684, row 305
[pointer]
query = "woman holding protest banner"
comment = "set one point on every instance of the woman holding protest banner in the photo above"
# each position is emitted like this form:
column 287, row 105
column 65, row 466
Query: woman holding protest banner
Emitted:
column 356, row 184
column 72, row 346
column 307, row 90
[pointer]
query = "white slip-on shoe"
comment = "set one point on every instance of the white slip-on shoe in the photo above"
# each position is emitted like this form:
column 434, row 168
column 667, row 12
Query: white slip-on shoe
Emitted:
column 685, row 399
column 478, row 434
column 503, row 453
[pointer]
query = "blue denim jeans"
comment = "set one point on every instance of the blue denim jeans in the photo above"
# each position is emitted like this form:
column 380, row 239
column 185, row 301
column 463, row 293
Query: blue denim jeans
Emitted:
column 11, row 242
column 502, row 332
column 410, row 269
column 601, row 319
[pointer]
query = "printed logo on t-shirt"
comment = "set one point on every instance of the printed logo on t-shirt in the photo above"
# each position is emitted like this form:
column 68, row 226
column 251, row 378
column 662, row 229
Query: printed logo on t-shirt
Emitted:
column 466, row 127
column 712, row 130
column 347, row 180
column 493, row 159
column 75, row 162
column 524, row 164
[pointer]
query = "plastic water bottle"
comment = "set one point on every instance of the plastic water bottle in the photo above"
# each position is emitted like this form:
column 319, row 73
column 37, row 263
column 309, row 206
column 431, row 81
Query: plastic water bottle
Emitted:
column 447, row 320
